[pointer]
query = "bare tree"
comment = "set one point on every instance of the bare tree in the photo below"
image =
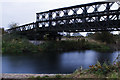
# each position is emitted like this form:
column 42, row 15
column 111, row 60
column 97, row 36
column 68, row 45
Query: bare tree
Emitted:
column 13, row 25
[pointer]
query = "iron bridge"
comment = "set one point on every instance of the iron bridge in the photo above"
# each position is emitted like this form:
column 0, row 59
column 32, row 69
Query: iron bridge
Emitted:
column 97, row 16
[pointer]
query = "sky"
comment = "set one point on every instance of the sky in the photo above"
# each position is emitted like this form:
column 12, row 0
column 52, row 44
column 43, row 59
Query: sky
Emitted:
column 24, row 11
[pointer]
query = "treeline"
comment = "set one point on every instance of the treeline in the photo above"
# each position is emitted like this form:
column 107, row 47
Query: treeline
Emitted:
column 105, row 36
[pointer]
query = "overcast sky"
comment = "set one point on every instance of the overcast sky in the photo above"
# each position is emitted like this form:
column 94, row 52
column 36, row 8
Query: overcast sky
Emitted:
column 22, row 11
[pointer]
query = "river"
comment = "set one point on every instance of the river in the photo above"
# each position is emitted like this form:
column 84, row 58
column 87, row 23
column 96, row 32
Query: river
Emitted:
column 51, row 63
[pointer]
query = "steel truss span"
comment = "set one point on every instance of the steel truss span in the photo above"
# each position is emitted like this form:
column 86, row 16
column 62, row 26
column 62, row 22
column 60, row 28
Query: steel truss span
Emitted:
column 98, row 16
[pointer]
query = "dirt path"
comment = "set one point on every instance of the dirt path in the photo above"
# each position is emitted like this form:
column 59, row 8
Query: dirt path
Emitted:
column 21, row 76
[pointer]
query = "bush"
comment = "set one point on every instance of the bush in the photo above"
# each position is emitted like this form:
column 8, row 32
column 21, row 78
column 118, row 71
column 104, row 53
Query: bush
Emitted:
column 104, row 37
column 14, row 44
column 63, row 45
column 58, row 76
column 103, row 69
column 46, row 76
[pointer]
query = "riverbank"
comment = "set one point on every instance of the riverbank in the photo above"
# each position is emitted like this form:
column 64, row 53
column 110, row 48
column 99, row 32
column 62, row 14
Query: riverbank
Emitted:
column 15, row 44
column 105, row 71
column 80, row 75
column 26, row 76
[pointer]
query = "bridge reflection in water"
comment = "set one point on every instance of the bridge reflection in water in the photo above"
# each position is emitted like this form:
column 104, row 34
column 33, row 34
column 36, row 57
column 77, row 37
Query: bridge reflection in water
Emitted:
column 97, row 16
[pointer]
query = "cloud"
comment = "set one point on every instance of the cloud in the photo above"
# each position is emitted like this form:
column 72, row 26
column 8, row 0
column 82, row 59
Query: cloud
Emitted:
column 112, row 0
column 49, row 0
column 21, row 0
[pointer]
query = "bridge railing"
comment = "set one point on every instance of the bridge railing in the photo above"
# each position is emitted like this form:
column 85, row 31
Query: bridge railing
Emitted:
column 25, row 27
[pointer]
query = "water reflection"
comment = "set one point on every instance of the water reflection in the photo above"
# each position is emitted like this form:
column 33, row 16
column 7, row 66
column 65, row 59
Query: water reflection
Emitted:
column 54, row 63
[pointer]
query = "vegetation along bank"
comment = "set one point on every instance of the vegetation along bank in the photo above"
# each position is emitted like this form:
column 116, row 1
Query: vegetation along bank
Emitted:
column 16, row 44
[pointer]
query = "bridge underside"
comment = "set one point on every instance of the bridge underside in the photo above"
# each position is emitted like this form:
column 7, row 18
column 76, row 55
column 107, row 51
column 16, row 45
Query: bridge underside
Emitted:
column 84, row 27
column 39, row 33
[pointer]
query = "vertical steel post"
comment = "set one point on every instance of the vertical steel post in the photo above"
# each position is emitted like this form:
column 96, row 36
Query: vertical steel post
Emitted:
column 108, row 10
column 50, row 19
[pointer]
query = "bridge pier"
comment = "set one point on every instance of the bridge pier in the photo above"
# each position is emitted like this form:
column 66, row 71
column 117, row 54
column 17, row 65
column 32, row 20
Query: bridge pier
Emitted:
column 54, row 36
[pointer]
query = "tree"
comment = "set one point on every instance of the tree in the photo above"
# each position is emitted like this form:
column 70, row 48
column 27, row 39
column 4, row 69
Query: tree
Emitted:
column 2, row 31
column 89, row 34
column 104, row 37
column 13, row 25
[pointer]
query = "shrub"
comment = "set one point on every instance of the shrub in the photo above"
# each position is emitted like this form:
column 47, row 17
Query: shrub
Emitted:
column 38, row 77
column 104, row 37
column 103, row 69
column 58, row 76
column 13, row 44
column 46, row 76
column 98, row 47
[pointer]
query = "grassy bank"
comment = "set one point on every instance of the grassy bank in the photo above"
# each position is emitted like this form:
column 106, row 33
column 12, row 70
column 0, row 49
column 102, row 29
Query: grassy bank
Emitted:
column 101, row 71
column 105, row 70
column 72, row 45
column 15, row 44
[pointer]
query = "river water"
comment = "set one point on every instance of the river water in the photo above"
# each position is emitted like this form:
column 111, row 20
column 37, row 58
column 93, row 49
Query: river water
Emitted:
column 66, row 62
